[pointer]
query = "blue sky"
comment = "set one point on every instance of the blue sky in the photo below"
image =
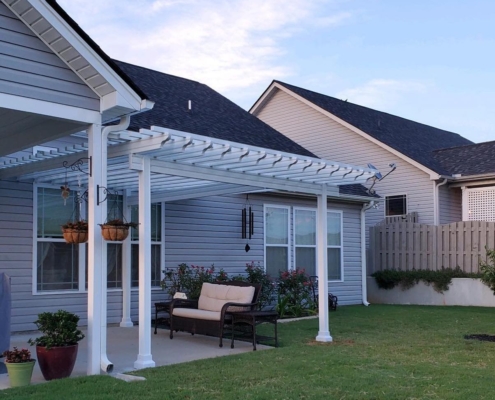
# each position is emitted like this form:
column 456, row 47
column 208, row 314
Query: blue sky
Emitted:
column 429, row 61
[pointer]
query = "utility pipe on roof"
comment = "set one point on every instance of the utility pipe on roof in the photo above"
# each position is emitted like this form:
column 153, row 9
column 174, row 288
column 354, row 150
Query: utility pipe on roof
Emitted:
column 105, row 363
column 364, row 288
column 436, row 201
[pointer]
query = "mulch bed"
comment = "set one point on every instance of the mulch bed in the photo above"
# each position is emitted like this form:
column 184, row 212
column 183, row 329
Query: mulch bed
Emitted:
column 483, row 337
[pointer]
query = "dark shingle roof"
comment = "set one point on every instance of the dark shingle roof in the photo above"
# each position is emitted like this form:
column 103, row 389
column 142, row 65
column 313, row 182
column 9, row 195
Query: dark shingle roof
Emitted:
column 212, row 114
column 472, row 159
column 412, row 139
column 356, row 190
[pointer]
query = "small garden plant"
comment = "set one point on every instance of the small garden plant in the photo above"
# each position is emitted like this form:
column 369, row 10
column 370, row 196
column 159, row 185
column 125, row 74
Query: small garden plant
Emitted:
column 59, row 329
column 16, row 356
column 488, row 270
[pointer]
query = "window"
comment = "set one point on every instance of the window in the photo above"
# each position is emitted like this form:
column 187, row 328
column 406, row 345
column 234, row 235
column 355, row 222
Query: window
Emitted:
column 334, row 246
column 395, row 205
column 156, row 245
column 305, row 239
column 277, row 256
column 276, row 239
column 57, row 263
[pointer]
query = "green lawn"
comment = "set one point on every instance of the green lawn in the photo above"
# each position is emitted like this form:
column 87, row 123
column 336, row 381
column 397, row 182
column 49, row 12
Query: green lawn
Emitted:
column 379, row 352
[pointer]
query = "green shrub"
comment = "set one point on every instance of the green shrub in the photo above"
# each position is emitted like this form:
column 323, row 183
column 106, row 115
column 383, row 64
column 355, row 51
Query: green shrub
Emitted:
column 59, row 329
column 295, row 297
column 440, row 279
column 488, row 270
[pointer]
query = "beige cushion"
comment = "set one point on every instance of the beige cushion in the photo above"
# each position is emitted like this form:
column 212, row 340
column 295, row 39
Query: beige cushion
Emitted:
column 213, row 297
column 196, row 314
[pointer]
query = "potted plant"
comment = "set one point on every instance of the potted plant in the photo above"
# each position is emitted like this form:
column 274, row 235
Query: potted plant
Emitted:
column 57, row 347
column 75, row 232
column 19, row 366
column 116, row 230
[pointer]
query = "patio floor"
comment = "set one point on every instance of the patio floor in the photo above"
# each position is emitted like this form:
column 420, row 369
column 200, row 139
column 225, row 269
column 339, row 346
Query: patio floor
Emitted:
column 122, row 350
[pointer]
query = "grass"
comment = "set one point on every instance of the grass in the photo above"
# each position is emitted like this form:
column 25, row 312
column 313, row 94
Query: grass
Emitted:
column 379, row 352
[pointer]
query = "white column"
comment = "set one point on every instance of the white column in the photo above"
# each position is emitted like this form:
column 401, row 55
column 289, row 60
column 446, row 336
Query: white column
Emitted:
column 95, row 252
column 126, row 274
column 465, row 204
column 144, row 359
column 321, row 261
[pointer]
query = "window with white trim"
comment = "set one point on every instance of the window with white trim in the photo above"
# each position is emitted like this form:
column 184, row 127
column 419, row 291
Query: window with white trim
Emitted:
column 304, row 223
column 276, row 239
column 334, row 246
column 305, row 239
column 395, row 205
column 57, row 263
column 156, row 245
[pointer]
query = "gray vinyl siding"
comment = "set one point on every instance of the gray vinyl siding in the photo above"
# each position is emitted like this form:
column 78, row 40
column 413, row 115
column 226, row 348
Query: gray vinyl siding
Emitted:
column 450, row 204
column 201, row 232
column 28, row 68
column 333, row 141
column 208, row 231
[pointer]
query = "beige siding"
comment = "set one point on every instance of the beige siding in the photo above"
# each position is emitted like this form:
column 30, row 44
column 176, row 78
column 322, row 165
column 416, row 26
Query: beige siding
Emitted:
column 329, row 139
column 450, row 200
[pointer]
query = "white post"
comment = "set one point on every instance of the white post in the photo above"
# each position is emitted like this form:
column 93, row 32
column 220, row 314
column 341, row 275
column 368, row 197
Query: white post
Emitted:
column 144, row 359
column 95, row 251
column 322, row 267
column 465, row 204
column 126, row 274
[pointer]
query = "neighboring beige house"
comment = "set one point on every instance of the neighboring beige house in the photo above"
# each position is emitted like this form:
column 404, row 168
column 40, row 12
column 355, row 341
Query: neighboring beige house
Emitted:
column 427, row 181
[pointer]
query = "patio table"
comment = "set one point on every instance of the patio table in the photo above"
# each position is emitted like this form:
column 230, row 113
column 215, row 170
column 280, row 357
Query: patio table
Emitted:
column 162, row 307
column 254, row 318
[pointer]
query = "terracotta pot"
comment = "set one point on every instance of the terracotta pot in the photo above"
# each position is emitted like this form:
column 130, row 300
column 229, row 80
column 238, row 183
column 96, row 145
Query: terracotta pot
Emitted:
column 75, row 236
column 114, row 233
column 57, row 362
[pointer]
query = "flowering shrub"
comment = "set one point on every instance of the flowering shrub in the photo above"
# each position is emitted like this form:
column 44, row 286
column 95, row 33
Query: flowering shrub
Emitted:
column 295, row 293
column 256, row 274
column 17, row 356
column 189, row 279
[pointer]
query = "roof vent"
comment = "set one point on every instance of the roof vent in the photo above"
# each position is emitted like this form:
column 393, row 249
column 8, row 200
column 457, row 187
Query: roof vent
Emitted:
column 189, row 105
column 456, row 175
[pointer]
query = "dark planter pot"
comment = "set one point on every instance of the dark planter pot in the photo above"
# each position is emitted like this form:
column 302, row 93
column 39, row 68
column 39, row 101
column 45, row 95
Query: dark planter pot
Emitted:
column 57, row 362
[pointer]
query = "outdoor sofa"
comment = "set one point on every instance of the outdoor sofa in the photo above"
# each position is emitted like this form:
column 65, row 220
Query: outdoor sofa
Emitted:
column 210, row 313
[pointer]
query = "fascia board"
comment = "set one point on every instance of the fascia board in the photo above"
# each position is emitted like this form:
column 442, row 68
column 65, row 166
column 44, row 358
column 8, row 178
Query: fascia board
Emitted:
column 49, row 109
column 53, row 18
column 276, row 86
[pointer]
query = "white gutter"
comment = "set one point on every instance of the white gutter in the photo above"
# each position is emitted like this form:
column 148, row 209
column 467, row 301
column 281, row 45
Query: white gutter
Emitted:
column 364, row 288
column 105, row 363
column 436, row 201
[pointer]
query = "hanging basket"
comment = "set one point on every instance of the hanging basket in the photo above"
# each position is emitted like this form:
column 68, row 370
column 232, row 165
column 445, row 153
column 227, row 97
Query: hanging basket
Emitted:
column 75, row 236
column 114, row 233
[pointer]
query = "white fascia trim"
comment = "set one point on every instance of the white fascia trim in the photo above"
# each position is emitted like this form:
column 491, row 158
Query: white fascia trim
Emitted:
column 53, row 18
column 49, row 109
column 259, row 104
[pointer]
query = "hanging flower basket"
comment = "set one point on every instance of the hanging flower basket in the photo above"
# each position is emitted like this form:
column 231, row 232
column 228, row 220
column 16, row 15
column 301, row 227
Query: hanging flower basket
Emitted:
column 75, row 232
column 116, row 230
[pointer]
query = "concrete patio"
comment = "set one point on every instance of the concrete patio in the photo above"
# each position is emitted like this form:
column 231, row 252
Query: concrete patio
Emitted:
column 123, row 349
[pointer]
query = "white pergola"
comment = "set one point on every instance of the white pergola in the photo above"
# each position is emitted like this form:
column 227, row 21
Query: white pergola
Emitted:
column 160, row 164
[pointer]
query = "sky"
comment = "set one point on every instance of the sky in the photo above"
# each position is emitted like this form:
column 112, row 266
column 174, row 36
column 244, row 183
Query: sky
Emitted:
column 429, row 61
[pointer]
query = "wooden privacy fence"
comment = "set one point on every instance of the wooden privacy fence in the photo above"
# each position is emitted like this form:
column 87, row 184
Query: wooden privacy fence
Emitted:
column 406, row 245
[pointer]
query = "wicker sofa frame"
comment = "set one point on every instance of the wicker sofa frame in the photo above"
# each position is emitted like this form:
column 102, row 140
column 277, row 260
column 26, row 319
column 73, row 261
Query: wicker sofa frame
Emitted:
column 204, row 326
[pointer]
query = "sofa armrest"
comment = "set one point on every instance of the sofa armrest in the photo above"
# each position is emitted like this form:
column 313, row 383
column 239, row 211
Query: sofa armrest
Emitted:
column 182, row 303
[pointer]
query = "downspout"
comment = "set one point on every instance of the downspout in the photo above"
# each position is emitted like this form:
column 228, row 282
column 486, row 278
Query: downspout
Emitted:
column 105, row 363
column 436, row 204
column 364, row 288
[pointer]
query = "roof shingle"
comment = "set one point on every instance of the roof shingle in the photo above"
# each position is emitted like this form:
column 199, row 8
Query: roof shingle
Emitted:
column 211, row 113
column 473, row 159
column 415, row 140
